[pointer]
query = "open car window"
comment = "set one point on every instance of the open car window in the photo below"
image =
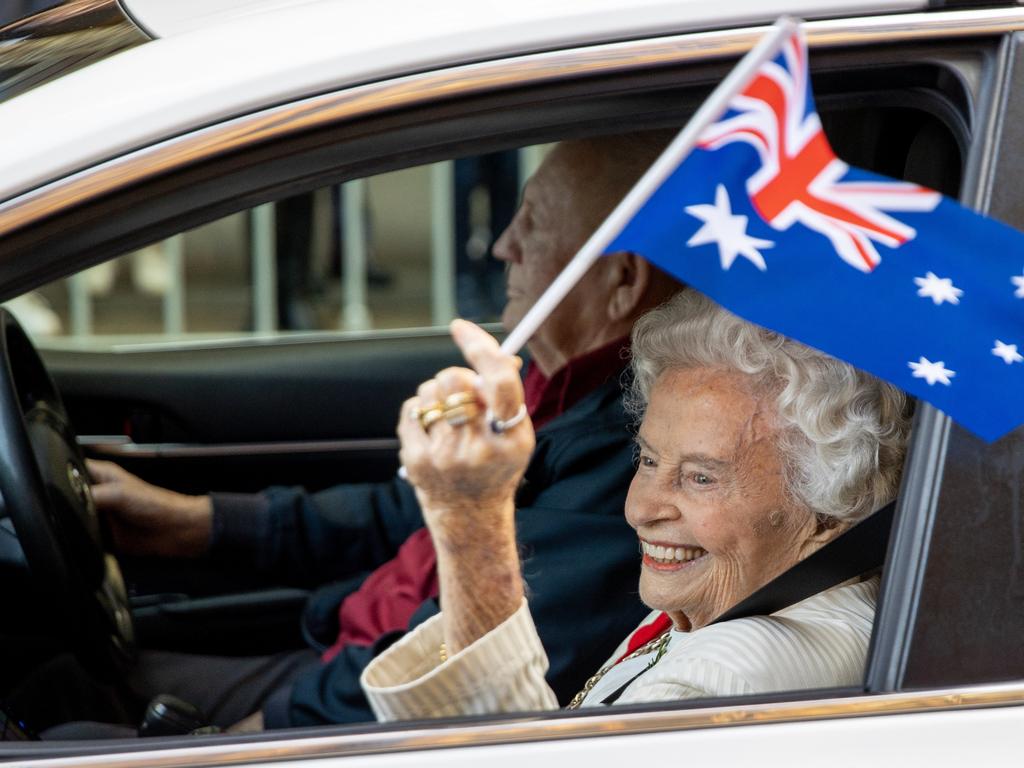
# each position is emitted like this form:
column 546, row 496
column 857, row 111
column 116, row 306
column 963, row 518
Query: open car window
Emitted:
column 398, row 251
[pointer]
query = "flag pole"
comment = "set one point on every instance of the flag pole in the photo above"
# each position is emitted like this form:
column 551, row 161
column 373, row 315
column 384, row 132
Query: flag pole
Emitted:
column 660, row 170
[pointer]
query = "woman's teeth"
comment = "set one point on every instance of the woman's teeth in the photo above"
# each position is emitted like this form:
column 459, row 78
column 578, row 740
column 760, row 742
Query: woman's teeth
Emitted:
column 671, row 554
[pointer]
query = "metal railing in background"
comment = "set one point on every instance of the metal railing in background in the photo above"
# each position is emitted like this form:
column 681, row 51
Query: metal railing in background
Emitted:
column 355, row 309
column 79, row 305
column 442, row 243
column 174, row 298
column 80, row 293
column 356, row 236
column 263, row 254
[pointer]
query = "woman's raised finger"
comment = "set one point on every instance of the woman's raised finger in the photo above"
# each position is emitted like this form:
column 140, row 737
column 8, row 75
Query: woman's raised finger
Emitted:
column 500, row 384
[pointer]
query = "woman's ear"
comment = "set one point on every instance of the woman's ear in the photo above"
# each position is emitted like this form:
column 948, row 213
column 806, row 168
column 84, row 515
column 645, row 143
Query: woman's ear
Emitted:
column 629, row 277
column 826, row 528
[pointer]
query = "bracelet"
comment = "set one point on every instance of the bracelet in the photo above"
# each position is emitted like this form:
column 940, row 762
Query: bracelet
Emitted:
column 444, row 653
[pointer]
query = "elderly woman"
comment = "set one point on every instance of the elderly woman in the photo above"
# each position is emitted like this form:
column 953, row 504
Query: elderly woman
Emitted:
column 753, row 452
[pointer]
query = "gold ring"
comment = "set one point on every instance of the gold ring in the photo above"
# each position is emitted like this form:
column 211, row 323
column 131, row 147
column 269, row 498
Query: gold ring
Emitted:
column 460, row 398
column 429, row 417
column 416, row 413
column 458, row 415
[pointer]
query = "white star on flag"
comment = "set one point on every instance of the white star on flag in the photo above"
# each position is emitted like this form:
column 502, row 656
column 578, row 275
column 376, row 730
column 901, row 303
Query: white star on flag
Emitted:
column 1008, row 352
column 931, row 372
column 1018, row 280
column 728, row 231
column 938, row 289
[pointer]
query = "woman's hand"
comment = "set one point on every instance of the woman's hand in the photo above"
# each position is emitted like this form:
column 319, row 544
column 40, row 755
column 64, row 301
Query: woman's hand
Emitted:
column 465, row 445
column 466, row 470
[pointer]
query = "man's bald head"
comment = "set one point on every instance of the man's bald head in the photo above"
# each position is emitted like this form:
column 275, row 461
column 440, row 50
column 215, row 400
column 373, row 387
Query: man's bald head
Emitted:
column 573, row 191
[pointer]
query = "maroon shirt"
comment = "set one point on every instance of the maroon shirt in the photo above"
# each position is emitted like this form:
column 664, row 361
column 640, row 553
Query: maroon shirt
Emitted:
column 391, row 594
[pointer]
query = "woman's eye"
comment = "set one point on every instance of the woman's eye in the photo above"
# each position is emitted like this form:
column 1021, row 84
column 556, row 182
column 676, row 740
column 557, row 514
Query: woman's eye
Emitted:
column 701, row 479
column 647, row 461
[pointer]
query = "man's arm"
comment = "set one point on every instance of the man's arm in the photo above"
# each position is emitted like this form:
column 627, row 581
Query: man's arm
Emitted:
column 286, row 533
column 308, row 539
column 147, row 520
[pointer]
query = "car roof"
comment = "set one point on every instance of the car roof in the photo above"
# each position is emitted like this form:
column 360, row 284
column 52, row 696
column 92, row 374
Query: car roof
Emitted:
column 231, row 57
column 566, row 18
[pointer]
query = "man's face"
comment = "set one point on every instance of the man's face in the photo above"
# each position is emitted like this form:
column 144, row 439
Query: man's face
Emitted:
column 557, row 214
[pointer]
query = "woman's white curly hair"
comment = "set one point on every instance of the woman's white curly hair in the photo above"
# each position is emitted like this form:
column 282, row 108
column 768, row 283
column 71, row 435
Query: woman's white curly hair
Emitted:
column 842, row 432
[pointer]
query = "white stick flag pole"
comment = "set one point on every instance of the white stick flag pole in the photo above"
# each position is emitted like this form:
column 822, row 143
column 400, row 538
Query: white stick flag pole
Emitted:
column 660, row 170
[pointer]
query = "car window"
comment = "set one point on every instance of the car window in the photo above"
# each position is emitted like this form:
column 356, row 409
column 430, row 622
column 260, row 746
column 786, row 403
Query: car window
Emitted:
column 400, row 250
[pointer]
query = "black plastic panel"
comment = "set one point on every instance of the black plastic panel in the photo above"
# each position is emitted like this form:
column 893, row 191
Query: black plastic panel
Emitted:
column 970, row 617
column 948, row 5
column 273, row 393
column 970, row 622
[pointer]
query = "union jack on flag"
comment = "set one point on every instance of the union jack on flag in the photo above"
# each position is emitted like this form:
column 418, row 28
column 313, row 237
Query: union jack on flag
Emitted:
column 800, row 180
column 888, row 275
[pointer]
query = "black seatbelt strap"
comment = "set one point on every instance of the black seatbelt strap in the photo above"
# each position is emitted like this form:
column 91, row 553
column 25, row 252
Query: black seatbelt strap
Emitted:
column 857, row 551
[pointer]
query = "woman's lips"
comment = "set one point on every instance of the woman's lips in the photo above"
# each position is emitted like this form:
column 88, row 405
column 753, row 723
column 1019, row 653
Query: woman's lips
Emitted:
column 670, row 557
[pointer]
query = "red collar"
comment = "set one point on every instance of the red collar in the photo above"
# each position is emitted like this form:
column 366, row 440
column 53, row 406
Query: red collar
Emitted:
column 547, row 398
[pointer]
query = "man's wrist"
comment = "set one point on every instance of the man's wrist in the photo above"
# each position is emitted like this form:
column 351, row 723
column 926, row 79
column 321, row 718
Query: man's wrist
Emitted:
column 197, row 525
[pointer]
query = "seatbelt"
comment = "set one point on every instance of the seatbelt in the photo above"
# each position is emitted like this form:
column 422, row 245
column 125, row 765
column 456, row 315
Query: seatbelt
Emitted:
column 855, row 552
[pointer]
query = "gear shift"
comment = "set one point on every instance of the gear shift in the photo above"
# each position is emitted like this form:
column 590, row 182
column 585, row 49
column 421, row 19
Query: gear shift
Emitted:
column 168, row 715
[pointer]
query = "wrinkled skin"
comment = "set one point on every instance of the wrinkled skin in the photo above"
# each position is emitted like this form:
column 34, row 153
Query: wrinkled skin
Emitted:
column 465, row 478
column 709, row 480
column 563, row 203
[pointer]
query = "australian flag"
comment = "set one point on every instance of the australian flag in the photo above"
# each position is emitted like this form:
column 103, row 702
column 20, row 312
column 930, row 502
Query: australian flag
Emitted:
column 889, row 276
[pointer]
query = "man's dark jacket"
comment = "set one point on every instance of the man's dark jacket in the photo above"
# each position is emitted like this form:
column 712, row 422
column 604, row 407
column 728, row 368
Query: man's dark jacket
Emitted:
column 579, row 556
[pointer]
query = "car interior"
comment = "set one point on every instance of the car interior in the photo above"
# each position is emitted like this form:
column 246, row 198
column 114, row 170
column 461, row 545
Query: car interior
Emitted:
column 908, row 121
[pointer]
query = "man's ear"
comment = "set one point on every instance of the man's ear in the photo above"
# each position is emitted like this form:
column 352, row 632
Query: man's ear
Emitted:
column 628, row 278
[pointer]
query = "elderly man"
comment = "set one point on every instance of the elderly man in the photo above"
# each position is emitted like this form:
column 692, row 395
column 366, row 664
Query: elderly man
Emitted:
column 568, row 505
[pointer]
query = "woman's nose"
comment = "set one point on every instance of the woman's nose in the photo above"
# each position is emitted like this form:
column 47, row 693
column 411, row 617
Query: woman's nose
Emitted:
column 647, row 504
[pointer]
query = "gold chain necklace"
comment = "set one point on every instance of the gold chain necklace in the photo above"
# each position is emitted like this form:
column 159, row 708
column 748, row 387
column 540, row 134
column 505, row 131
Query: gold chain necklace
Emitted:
column 656, row 646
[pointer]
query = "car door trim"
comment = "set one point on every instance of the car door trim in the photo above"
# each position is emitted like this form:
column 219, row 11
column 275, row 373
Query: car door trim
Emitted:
column 120, row 447
column 319, row 111
column 612, row 721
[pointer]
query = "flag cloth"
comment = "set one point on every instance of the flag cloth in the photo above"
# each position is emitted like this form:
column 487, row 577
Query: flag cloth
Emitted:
column 886, row 275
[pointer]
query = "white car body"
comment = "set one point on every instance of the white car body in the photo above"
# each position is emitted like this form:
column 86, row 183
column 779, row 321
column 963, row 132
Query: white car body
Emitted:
column 217, row 62
column 231, row 58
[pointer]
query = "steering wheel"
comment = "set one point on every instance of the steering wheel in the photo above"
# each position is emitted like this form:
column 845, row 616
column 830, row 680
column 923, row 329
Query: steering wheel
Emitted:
column 45, row 488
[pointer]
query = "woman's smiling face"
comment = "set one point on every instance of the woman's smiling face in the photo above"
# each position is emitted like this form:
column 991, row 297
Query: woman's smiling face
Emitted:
column 708, row 500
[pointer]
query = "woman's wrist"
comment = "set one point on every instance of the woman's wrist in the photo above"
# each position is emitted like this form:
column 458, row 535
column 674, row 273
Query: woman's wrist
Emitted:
column 457, row 527
column 481, row 586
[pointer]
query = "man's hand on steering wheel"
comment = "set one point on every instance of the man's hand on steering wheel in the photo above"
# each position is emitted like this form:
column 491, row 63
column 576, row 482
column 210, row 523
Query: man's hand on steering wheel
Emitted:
column 147, row 520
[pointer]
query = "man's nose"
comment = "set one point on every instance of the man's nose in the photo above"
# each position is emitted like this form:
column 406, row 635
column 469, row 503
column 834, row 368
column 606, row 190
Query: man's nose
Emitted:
column 506, row 247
